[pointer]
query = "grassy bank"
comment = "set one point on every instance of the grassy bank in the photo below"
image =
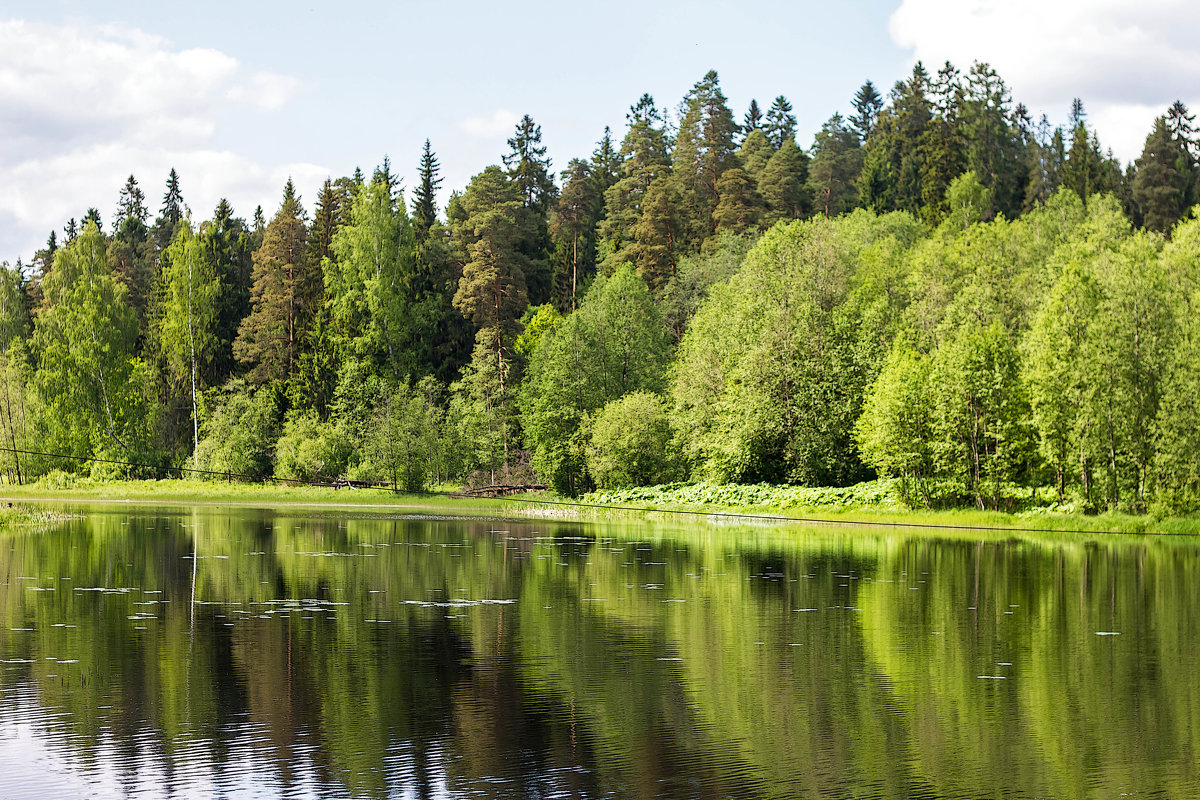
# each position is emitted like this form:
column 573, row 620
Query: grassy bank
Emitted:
column 872, row 503
column 875, row 502
column 248, row 494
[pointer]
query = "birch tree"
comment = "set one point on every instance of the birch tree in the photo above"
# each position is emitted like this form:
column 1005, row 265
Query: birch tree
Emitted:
column 189, row 311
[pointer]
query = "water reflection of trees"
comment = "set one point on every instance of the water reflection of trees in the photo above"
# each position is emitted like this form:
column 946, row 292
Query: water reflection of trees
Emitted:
column 676, row 665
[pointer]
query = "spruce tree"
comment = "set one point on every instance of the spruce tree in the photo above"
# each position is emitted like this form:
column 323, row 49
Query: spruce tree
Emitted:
column 424, row 204
column 574, row 226
column 605, row 166
column 129, row 254
column 226, row 243
column 867, row 105
column 942, row 146
column 93, row 216
column 1160, row 188
column 753, row 119
column 170, row 214
column 703, row 150
column 131, row 206
column 739, row 205
column 892, row 160
column 644, row 158
column 780, row 123
column 529, row 171
column 755, row 152
column 784, row 185
column 836, row 161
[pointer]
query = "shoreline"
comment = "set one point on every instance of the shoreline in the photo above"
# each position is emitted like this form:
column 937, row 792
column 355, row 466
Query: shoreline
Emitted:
column 200, row 493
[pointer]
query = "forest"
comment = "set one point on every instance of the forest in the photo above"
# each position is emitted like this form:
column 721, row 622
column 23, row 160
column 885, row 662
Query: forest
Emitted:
column 938, row 290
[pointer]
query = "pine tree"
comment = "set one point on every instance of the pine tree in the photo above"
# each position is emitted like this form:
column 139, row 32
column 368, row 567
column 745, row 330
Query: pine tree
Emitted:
column 780, row 122
column 269, row 337
column 424, row 204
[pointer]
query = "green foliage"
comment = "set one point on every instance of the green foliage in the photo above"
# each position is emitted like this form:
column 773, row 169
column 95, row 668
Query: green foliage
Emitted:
column 982, row 437
column 699, row 272
column 368, row 285
column 85, row 340
column 870, row 495
column 614, row 344
column 188, row 312
column 538, row 322
column 631, row 443
column 895, row 432
column 241, row 432
column 771, row 374
column 401, row 438
column 310, row 450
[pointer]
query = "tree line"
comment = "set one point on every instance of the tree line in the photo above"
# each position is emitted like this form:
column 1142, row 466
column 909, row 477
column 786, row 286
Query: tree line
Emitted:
column 703, row 298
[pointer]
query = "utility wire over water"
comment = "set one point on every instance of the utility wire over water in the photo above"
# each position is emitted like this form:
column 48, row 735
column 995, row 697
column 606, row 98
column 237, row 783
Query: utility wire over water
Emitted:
column 245, row 477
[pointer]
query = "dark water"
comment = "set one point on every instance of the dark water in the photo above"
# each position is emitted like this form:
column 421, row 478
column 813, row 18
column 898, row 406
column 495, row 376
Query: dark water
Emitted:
column 326, row 655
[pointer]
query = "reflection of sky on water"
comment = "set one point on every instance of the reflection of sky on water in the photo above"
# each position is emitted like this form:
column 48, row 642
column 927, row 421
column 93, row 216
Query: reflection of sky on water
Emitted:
column 39, row 763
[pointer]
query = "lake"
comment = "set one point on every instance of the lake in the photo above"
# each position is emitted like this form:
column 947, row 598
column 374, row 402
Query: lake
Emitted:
column 231, row 652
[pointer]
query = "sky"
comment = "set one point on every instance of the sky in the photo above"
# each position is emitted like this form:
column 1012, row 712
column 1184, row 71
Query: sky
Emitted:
column 238, row 97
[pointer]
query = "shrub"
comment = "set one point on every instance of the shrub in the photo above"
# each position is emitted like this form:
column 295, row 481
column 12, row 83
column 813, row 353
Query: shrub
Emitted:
column 631, row 443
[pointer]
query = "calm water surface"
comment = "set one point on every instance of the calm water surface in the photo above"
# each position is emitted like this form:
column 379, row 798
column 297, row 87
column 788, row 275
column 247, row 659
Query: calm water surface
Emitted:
column 238, row 653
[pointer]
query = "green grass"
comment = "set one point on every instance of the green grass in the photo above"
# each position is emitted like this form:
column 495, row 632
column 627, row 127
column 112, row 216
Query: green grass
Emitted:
column 871, row 503
column 875, row 502
column 260, row 494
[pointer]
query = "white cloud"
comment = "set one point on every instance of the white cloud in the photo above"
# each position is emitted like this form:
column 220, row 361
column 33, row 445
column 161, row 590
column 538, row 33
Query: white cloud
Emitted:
column 1127, row 61
column 81, row 108
column 488, row 126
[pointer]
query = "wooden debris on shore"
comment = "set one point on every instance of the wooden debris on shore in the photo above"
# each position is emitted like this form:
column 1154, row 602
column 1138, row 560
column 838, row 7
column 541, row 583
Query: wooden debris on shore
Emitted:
column 502, row 490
